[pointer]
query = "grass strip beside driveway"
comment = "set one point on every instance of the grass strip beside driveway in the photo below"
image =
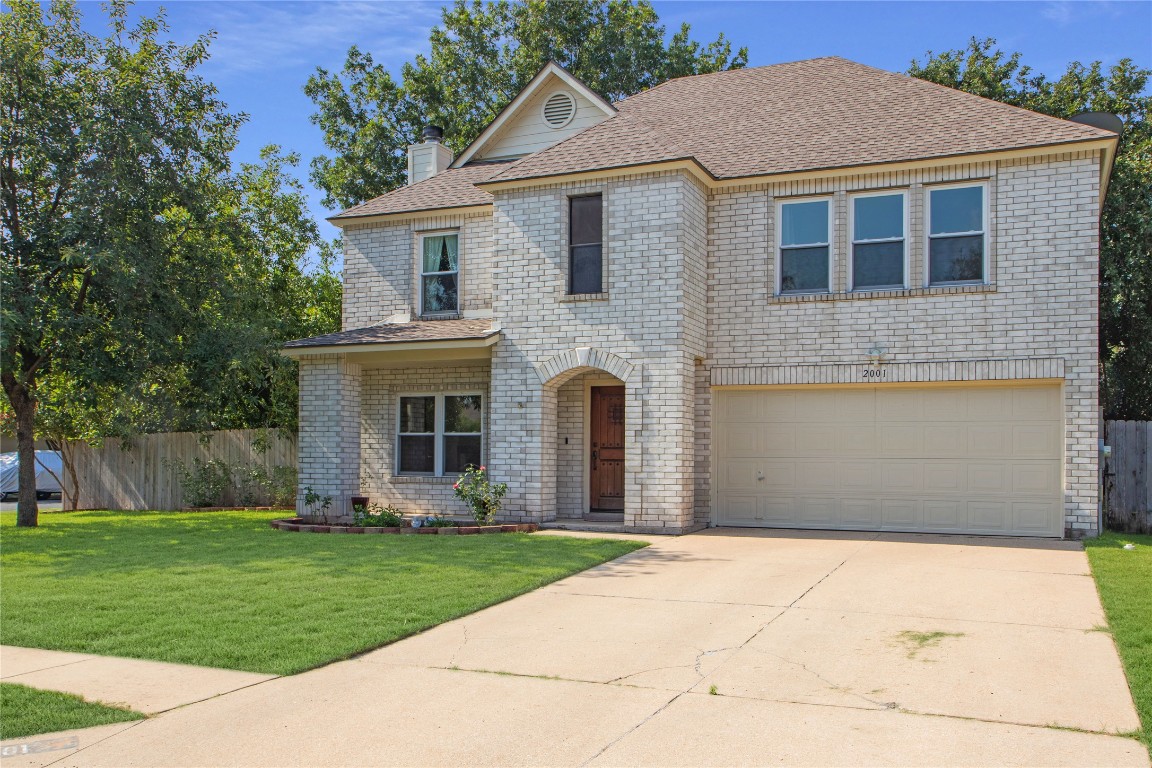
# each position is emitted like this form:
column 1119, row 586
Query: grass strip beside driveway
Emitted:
column 222, row 589
column 26, row 711
column 1124, row 579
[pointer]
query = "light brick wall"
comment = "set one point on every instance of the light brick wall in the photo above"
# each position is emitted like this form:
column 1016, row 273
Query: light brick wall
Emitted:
column 382, row 388
column 381, row 266
column 1043, row 302
column 329, row 447
column 653, row 234
column 689, row 304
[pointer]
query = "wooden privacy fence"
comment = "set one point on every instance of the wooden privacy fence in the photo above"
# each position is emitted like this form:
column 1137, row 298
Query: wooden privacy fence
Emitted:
column 144, row 474
column 1128, row 476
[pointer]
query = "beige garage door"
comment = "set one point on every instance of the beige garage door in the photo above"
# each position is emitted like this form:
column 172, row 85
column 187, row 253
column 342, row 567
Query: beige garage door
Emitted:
column 972, row 459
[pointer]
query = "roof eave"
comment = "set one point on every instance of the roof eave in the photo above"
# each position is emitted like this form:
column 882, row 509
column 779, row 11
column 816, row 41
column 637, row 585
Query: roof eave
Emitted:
column 391, row 346
column 371, row 218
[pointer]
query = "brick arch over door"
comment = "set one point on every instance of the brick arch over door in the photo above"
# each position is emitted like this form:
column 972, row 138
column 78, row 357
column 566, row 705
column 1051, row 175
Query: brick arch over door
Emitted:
column 563, row 366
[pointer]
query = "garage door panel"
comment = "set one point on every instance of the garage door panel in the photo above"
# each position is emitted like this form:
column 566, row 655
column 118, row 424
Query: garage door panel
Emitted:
column 987, row 440
column 818, row 512
column 1040, row 441
column 857, row 476
column 815, row 476
column 1035, row 517
column 944, row 440
column 987, row 479
column 977, row 459
column 945, row 515
column 1036, row 403
column 901, row 439
column 742, row 474
column 779, row 510
column 746, row 440
column 988, row 403
column 1034, row 478
column 985, row 515
column 901, row 476
column 860, row 513
column 857, row 439
column 742, row 509
column 943, row 478
column 900, row 514
column 816, row 440
column 854, row 405
column 899, row 405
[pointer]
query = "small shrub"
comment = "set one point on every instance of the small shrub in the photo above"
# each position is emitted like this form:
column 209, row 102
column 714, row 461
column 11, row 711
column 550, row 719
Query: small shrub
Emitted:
column 483, row 497
column 376, row 516
column 282, row 486
column 204, row 483
column 436, row 521
column 316, row 504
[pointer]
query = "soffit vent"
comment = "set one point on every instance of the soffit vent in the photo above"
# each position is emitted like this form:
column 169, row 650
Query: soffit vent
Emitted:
column 559, row 109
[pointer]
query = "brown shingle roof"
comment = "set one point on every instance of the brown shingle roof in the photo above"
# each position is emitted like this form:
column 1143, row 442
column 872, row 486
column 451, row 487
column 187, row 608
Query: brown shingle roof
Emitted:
column 807, row 115
column 452, row 188
column 802, row 116
column 396, row 333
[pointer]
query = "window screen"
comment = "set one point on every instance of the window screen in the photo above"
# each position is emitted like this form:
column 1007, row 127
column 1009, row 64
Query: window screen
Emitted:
column 585, row 227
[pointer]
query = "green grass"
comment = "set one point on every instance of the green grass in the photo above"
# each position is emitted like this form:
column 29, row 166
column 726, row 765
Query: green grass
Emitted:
column 26, row 711
column 1124, row 578
column 222, row 589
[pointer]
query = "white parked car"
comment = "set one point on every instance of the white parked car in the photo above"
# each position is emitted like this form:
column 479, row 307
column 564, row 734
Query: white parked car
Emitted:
column 47, row 463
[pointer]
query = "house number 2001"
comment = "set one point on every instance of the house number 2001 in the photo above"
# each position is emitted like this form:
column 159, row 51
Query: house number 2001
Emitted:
column 874, row 373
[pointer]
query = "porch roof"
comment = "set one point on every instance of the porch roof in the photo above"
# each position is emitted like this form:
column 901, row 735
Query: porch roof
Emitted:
column 412, row 335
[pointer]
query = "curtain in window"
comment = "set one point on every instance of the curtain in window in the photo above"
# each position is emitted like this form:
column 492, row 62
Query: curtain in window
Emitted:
column 441, row 253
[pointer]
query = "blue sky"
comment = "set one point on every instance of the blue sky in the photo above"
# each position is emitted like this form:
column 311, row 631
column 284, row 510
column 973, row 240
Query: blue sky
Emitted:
column 265, row 50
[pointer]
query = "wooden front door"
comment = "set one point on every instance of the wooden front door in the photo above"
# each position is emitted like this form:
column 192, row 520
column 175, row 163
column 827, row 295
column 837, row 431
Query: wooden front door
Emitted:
column 607, row 458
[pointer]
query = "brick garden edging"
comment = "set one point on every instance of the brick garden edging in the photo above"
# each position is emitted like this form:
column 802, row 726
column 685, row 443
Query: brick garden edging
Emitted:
column 299, row 525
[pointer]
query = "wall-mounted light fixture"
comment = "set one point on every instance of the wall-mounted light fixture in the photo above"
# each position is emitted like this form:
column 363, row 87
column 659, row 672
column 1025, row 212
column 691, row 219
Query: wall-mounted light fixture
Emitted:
column 877, row 352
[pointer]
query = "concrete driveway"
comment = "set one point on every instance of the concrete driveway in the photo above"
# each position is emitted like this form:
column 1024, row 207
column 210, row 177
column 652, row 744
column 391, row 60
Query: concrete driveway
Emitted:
column 726, row 647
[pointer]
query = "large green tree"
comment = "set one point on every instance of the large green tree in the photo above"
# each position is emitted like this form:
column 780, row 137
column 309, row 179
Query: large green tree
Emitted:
column 482, row 55
column 1126, row 220
column 103, row 138
column 146, row 285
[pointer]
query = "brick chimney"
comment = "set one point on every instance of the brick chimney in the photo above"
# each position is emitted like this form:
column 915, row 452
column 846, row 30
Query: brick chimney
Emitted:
column 429, row 158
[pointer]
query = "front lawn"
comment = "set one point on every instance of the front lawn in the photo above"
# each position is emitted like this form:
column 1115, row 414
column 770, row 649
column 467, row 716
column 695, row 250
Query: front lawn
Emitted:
column 222, row 589
column 1124, row 578
column 26, row 711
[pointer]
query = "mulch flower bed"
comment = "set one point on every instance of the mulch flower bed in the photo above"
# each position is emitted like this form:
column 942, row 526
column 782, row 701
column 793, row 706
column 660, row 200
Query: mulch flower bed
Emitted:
column 302, row 526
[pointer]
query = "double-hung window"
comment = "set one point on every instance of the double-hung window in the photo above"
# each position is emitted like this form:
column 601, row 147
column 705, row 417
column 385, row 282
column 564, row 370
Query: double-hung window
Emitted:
column 439, row 434
column 805, row 246
column 439, row 273
column 957, row 240
column 878, row 236
column 585, row 251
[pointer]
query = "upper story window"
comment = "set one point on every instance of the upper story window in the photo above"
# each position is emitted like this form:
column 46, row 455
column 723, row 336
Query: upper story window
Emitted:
column 957, row 234
column 440, row 273
column 805, row 240
column 878, row 235
column 439, row 434
column 585, row 251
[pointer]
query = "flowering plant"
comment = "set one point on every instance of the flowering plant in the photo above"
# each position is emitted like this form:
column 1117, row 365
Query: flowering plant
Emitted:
column 482, row 496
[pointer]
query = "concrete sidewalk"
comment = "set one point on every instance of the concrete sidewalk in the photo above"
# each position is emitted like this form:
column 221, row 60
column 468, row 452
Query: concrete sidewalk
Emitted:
column 150, row 687
column 722, row 648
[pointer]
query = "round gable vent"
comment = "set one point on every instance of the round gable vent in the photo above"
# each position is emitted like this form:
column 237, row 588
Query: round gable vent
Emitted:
column 559, row 109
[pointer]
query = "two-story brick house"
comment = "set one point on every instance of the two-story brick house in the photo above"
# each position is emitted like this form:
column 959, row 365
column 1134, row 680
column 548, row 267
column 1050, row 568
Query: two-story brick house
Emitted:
column 810, row 295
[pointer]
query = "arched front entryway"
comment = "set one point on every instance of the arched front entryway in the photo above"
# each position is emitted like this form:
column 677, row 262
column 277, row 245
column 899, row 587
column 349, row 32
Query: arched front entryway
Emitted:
column 586, row 410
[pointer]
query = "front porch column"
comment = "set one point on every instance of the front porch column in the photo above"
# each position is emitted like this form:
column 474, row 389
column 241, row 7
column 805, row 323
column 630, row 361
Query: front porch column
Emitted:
column 517, row 453
column 329, row 450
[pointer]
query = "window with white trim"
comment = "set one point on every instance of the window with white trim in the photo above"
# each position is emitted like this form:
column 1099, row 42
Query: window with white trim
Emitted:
column 439, row 273
column 439, row 434
column 804, row 237
column 957, row 234
column 878, row 237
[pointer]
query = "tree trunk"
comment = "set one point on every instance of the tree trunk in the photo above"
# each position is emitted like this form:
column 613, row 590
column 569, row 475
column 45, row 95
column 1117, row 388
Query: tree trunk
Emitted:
column 27, row 513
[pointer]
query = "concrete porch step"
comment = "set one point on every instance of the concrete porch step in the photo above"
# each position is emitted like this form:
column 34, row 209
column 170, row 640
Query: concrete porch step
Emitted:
column 596, row 526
